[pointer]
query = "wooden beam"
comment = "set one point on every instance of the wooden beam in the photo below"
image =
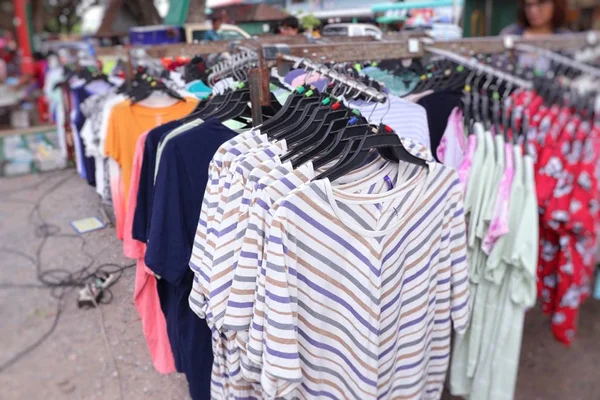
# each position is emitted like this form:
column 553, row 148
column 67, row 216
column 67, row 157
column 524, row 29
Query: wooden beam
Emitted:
column 364, row 48
column 360, row 50
column 342, row 52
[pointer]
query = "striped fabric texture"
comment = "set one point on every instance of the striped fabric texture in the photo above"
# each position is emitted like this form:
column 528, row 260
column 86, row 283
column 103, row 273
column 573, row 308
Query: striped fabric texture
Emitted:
column 241, row 302
column 361, row 291
column 312, row 289
column 204, row 242
column 407, row 119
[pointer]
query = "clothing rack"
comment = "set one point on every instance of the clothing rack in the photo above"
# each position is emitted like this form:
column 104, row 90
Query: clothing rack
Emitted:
column 324, row 71
column 196, row 158
column 220, row 46
column 413, row 47
column 569, row 62
column 232, row 66
column 476, row 65
column 342, row 49
column 285, row 49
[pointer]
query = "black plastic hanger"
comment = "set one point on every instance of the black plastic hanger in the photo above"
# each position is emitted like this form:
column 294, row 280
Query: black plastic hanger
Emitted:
column 476, row 97
column 143, row 92
column 291, row 104
column 319, row 144
column 309, row 121
column 496, row 113
column 236, row 107
column 468, row 103
column 485, row 103
column 357, row 152
column 313, row 131
column 295, row 121
column 295, row 115
column 337, row 147
column 320, row 117
column 224, row 101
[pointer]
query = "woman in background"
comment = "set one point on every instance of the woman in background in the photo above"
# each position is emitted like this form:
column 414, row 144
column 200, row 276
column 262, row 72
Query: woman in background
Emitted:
column 539, row 17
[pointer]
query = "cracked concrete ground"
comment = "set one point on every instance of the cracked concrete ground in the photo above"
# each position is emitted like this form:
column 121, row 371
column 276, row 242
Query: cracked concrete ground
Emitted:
column 75, row 362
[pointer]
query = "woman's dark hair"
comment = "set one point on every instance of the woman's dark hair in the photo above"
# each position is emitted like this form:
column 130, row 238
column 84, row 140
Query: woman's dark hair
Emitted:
column 559, row 19
column 290, row 22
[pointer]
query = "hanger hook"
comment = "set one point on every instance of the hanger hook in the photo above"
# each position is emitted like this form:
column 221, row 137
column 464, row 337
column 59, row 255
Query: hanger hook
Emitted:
column 308, row 74
column 389, row 106
column 488, row 82
column 358, row 93
column 336, row 89
column 470, row 78
column 373, row 110
column 480, row 74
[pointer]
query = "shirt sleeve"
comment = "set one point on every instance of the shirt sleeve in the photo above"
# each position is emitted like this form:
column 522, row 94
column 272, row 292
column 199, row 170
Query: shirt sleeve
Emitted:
column 459, row 303
column 200, row 257
column 223, row 260
column 207, row 230
column 169, row 245
column 241, row 299
column 523, row 285
column 281, row 358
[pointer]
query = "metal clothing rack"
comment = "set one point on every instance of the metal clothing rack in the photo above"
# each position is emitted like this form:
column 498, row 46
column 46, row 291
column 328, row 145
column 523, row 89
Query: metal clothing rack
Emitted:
column 233, row 65
column 264, row 51
column 559, row 58
column 476, row 65
column 220, row 46
column 414, row 47
column 329, row 73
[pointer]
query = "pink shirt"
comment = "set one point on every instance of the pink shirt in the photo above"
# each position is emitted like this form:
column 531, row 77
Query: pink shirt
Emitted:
column 499, row 223
column 132, row 248
column 145, row 295
column 117, row 190
column 453, row 145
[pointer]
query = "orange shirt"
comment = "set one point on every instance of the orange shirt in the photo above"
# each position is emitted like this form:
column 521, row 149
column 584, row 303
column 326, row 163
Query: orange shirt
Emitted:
column 129, row 121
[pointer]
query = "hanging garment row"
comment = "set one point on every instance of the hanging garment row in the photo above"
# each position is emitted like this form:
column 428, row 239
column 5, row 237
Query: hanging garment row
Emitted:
column 334, row 249
column 236, row 284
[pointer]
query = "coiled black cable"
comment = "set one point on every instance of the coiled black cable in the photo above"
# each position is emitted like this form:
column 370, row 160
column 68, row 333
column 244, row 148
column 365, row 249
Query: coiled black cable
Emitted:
column 61, row 282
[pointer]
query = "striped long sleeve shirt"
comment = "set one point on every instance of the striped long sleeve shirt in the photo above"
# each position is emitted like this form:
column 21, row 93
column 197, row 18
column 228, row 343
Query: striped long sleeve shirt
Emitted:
column 240, row 310
column 361, row 291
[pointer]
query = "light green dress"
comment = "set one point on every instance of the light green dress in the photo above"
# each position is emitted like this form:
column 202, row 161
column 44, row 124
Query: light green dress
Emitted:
column 480, row 173
column 498, row 308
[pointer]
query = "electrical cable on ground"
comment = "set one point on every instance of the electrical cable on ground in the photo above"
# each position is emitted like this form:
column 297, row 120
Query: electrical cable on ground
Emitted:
column 109, row 348
column 61, row 282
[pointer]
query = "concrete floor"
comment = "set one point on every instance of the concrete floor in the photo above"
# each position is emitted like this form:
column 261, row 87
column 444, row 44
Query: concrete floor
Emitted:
column 75, row 362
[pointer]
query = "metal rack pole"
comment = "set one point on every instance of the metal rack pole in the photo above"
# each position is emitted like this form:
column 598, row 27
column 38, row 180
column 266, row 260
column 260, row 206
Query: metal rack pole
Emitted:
column 476, row 65
column 258, row 80
column 352, row 84
column 413, row 47
column 587, row 69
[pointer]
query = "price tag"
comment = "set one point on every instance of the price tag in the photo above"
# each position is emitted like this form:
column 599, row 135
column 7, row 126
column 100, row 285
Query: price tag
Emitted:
column 413, row 45
column 509, row 42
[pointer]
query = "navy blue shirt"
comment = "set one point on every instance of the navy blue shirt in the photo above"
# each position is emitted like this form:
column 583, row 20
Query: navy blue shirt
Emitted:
column 80, row 94
column 178, row 194
column 145, row 195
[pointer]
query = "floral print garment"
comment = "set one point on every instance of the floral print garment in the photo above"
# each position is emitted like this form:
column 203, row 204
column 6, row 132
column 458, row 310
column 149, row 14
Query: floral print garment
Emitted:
column 567, row 189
